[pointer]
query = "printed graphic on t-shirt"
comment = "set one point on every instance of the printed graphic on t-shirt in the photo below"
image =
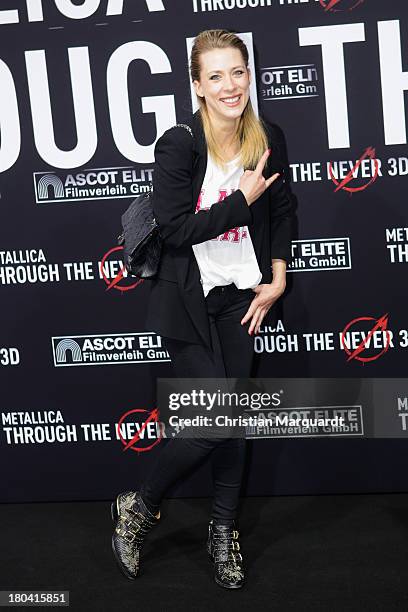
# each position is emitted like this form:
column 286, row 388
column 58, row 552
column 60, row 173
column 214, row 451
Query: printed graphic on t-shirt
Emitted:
column 233, row 235
column 229, row 257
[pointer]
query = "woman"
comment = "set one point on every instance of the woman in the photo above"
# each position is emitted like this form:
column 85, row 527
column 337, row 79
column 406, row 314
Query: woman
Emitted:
column 226, row 243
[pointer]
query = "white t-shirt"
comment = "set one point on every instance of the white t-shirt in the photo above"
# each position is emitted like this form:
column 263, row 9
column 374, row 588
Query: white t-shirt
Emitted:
column 230, row 257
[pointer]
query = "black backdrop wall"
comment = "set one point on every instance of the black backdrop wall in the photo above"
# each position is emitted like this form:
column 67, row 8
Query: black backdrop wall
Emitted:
column 86, row 89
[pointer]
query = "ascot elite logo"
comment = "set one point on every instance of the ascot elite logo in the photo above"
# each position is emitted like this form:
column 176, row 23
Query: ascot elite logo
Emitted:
column 323, row 421
column 108, row 349
column 285, row 82
column 91, row 184
column 318, row 254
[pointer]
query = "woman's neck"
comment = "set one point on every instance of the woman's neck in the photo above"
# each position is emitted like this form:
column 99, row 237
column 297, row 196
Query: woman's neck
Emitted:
column 225, row 134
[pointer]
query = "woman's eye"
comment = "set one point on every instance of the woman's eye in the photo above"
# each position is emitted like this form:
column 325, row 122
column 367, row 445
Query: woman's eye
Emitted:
column 238, row 72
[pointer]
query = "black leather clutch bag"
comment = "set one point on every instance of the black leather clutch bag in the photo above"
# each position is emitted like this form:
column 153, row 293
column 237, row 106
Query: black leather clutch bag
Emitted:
column 141, row 239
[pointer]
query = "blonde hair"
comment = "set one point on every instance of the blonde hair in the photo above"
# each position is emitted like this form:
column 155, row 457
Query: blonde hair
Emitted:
column 251, row 131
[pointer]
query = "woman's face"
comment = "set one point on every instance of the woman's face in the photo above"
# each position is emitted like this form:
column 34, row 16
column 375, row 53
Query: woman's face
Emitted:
column 224, row 82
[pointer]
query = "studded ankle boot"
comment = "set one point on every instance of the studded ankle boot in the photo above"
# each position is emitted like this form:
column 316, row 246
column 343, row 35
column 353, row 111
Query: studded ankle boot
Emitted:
column 132, row 523
column 223, row 547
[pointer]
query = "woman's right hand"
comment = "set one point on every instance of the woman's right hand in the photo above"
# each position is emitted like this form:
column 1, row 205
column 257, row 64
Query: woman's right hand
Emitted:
column 252, row 183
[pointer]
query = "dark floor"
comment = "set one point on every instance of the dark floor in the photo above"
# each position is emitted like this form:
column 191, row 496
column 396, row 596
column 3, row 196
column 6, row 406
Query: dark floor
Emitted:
column 301, row 553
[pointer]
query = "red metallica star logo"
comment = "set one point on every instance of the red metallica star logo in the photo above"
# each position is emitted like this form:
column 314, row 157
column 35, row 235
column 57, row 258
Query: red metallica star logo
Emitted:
column 344, row 184
column 143, row 430
column 114, row 283
column 348, row 5
column 380, row 324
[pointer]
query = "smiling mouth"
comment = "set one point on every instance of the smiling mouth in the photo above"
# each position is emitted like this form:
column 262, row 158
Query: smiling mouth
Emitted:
column 232, row 101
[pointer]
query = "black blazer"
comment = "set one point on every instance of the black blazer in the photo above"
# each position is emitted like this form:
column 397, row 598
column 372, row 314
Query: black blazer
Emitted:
column 176, row 304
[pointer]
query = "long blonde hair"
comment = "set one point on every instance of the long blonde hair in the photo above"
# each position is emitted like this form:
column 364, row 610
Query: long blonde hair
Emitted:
column 251, row 132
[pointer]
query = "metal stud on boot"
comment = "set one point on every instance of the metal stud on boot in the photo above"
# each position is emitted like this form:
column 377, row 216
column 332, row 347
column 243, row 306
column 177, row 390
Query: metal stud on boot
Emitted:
column 132, row 523
column 223, row 548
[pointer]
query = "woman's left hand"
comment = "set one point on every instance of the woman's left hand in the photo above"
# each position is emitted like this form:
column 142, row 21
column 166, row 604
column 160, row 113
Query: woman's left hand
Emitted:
column 267, row 294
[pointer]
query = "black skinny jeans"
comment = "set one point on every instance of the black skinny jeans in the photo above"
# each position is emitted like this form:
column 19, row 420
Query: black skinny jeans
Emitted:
column 232, row 357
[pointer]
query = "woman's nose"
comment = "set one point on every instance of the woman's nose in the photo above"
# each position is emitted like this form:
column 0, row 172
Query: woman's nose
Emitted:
column 229, row 84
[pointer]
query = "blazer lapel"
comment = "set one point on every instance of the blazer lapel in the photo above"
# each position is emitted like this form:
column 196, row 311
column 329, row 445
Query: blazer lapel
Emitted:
column 188, row 273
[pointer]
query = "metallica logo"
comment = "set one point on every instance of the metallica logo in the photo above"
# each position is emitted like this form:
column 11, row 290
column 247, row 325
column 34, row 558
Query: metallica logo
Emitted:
column 379, row 336
column 369, row 154
column 145, row 433
column 339, row 6
column 117, row 282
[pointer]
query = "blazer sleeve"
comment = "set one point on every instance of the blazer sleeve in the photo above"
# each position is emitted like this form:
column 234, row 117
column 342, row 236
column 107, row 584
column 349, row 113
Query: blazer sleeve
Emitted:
column 172, row 198
column 281, row 199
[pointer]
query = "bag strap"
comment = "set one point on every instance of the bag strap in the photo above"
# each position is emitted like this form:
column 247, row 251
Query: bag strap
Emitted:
column 188, row 128
column 185, row 126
